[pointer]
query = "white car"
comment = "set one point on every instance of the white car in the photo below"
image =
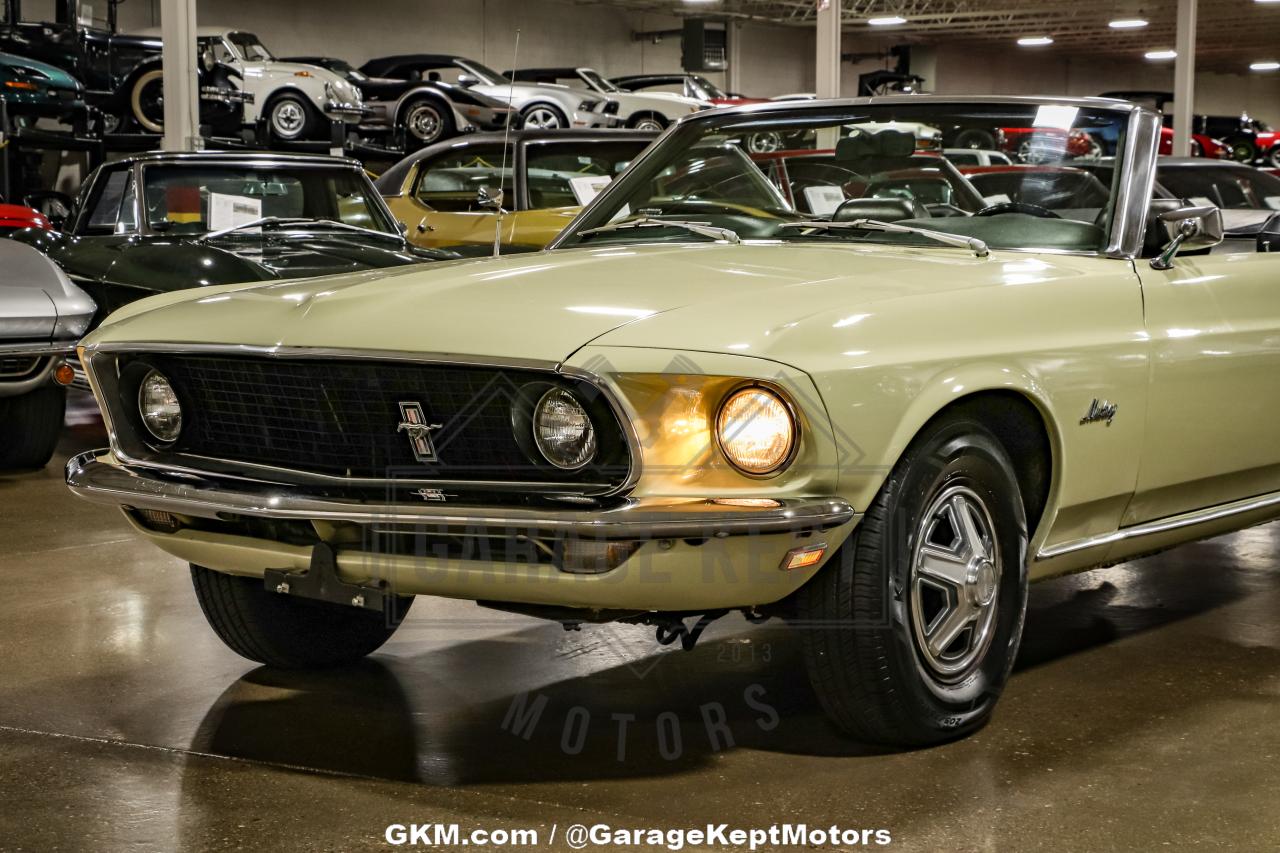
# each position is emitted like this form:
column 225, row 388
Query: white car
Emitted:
column 539, row 107
column 640, row 110
column 295, row 99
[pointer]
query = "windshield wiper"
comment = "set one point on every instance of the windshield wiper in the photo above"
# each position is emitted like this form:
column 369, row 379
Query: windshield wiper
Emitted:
column 973, row 244
column 289, row 220
column 702, row 229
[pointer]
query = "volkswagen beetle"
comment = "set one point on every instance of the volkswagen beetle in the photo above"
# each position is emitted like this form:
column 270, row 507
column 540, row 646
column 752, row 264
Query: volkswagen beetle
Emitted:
column 879, row 419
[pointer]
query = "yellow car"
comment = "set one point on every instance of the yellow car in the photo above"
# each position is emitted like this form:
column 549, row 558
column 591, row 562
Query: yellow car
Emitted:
column 878, row 416
column 448, row 194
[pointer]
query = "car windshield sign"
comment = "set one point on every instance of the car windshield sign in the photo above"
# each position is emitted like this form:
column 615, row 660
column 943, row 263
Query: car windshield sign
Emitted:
column 194, row 200
column 757, row 173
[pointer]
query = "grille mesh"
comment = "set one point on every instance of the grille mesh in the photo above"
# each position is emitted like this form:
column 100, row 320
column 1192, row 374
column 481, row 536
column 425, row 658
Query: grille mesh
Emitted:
column 341, row 417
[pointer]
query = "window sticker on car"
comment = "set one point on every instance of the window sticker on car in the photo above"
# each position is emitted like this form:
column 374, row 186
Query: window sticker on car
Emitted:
column 587, row 187
column 997, row 198
column 823, row 200
column 230, row 211
column 1272, row 202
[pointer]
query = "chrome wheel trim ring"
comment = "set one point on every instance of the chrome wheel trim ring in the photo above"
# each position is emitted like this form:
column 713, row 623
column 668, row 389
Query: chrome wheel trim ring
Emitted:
column 765, row 142
column 542, row 118
column 288, row 118
column 648, row 124
column 955, row 584
column 424, row 122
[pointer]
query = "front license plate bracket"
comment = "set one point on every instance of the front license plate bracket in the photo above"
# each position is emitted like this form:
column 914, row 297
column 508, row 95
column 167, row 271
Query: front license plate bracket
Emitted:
column 320, row 582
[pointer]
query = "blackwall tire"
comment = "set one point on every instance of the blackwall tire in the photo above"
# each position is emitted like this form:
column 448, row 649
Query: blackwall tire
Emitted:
column 650, row 123
column 863, row 620
column 30, row 426
column 542, row 117
column 426, row 122
column 976, row 139
column 283, row 631
column 291, row 117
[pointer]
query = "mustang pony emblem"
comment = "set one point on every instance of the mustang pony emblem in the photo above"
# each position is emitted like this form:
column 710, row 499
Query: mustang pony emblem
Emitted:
column 414, row 422
column 1100, row 410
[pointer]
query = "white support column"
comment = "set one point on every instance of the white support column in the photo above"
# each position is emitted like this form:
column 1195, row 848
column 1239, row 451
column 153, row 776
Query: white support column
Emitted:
column 733, row 77
column 181, row 92
column 1184, row 78
column 828, row 54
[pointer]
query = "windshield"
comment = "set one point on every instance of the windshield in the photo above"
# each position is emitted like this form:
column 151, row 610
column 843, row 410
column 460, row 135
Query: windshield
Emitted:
column 193, row 200
column 250, row 47
column 708, row 89
column 598, row 82
column 486, row 75
column 759, row 173
column 1228, row 187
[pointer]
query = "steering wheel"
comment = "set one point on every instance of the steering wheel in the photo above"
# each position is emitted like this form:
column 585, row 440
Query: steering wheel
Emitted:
column 1018, row 207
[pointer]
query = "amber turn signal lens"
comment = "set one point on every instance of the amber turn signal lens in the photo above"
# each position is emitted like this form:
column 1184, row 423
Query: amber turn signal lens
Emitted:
column 64, row 374
column 803, row 558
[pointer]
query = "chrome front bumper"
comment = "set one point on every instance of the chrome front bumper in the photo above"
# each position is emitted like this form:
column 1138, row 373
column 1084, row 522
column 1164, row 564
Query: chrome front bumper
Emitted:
column 632, row 519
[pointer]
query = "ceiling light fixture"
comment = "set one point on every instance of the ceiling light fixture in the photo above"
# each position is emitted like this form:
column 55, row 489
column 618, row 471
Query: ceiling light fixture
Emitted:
column 1128, row 23
column 887, row 21
column 1264, row 66
column 1034, row 41
column 1157, row 55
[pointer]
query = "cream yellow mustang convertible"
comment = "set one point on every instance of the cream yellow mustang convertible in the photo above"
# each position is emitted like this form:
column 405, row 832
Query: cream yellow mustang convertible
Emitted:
column 839, row 387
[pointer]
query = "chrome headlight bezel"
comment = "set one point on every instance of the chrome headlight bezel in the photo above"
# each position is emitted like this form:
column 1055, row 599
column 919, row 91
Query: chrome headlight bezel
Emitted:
column 787, row 411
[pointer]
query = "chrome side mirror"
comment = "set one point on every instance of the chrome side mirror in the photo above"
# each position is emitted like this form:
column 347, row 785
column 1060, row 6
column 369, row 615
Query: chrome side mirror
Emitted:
column 491, row 199
column 467, row 80
column 1198, row 227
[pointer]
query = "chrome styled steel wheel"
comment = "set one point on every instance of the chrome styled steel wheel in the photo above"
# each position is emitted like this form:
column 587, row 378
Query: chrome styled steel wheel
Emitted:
column 288, row 118
column 424, row 122
column 543, row 118
column 648, row 123
column 955, row 583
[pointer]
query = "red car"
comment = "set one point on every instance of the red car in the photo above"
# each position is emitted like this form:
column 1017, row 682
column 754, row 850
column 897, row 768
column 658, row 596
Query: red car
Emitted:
column 1031, row 144
column 14, row 217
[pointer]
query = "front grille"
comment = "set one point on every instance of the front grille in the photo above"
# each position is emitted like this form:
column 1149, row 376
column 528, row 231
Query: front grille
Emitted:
column 341, row 418
column 18, row 366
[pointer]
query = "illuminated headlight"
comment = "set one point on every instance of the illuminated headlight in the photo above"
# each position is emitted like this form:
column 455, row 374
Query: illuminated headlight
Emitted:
column 562, row 430
column 756, row 431
column 158, row 404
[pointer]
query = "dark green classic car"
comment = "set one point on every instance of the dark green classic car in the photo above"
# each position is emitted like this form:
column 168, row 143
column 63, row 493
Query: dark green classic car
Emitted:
column 31, row 88
column 167, row 221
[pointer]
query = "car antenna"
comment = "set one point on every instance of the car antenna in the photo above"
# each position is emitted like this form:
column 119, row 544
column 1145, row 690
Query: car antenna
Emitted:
column 506, row 137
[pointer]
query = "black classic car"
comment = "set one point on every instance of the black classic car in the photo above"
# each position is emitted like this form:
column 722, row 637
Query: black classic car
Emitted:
column 428, row 110
column 164, row 221
column 121, row 73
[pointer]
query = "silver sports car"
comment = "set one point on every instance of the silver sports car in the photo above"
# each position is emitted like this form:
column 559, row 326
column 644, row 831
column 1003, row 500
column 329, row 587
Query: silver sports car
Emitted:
column 42, row 315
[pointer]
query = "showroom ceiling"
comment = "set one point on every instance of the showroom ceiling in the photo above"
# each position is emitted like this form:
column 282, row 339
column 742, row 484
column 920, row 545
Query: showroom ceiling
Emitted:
column 1232, row 33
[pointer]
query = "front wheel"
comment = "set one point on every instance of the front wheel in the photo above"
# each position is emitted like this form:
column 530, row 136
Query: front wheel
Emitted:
column 911, row 631
column 29, row 427
column 651, row 123
column 279, row 630
column 426, row 121
column 1242, row 150
column 543, row 117
column 290, row 117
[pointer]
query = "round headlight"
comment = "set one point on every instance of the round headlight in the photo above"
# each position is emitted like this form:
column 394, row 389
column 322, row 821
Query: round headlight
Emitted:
column 562, row 430
column 756, row 430
column 159, row 407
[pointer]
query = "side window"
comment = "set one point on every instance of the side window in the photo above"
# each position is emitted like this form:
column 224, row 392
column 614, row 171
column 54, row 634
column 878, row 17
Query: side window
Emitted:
column 451, row 182
column 107, row 214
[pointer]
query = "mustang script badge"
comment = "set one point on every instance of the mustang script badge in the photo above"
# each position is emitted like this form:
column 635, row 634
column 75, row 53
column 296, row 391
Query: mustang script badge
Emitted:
column 414, row 422
column 1100, row 410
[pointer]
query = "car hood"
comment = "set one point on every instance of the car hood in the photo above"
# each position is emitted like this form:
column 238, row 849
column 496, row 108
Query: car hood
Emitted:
column 544, row 306
column 297, row 256
column 657, row 100
column 34, row 293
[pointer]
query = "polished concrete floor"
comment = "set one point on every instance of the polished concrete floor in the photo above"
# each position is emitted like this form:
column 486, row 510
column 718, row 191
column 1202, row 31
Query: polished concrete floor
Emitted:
column 1142, row 716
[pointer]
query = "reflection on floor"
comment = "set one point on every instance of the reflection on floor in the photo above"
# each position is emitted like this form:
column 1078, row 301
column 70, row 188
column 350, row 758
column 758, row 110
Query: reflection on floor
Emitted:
column 1142, row 714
